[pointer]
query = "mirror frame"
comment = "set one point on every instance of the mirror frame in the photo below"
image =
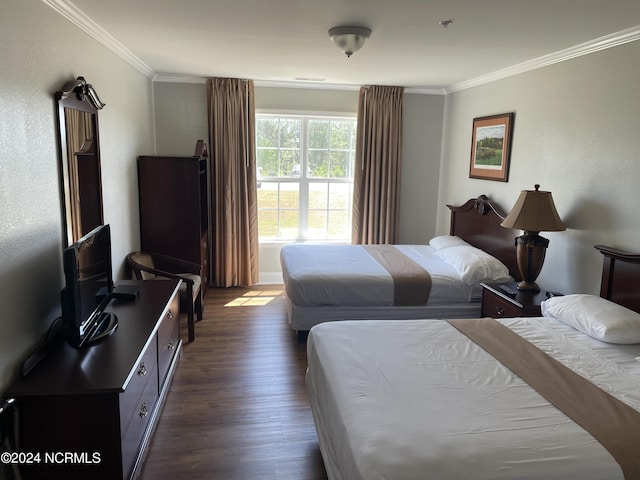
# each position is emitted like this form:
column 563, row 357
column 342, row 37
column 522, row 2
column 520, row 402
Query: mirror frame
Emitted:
column 80, row 96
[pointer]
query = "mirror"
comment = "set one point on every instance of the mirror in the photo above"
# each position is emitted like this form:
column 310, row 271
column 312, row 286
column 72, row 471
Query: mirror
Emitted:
column 79, row 149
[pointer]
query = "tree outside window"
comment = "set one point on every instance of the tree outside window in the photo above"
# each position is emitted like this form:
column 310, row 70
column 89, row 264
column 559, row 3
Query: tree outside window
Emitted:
column 305, row 177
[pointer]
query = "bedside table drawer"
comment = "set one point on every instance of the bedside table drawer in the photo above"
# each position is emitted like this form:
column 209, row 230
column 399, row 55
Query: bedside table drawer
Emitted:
column 496, row 307
column 498, row 301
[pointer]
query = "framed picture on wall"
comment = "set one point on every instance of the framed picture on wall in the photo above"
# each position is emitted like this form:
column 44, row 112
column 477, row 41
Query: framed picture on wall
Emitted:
column 491, row 147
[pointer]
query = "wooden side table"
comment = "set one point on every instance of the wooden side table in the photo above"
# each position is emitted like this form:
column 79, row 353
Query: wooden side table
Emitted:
column 498, row 302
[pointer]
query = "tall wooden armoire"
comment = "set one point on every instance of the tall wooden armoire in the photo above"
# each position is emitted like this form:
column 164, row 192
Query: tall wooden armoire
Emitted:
column 174, row 216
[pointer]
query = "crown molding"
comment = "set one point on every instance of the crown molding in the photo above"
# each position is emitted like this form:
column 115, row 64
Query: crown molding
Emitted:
column 602, row 43
column 306, row 84
column 72, row 13
column 169, row 78
column 173, row 78
column 425, row 91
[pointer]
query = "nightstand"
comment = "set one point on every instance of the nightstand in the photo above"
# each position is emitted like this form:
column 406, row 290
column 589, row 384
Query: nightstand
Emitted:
column 497, row 302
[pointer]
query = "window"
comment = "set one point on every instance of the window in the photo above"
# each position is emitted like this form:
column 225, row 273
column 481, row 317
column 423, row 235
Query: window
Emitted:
column 305, row 177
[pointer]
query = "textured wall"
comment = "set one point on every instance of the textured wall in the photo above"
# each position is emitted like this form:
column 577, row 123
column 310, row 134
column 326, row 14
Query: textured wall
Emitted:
column 41, row 51
column 576, row 135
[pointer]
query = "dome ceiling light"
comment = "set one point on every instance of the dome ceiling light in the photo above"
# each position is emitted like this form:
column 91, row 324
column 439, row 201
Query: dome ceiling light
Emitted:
column 349, row 39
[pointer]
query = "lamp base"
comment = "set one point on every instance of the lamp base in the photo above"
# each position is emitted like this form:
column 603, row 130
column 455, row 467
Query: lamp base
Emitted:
column 530, row 252
column 528, row 287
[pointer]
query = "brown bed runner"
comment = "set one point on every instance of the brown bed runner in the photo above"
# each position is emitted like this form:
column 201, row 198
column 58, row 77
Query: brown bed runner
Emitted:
column 612, row 422
column 411, row 282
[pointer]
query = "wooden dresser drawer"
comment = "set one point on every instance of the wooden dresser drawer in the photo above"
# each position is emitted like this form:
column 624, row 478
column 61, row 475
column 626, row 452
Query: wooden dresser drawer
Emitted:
column 139, row 417
column 144, row 378
column 168, row 339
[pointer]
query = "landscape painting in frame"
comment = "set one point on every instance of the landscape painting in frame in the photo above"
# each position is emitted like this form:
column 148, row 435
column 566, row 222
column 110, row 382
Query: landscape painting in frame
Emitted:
column 491, row 147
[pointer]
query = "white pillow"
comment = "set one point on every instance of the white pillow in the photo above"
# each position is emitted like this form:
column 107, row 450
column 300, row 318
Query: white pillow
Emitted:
column 474, row 265
column 595, row 316
column 446, row 241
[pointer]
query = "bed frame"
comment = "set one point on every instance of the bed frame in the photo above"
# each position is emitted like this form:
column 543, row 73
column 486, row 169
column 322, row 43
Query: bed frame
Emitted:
column 477, row 222
column 620, row 277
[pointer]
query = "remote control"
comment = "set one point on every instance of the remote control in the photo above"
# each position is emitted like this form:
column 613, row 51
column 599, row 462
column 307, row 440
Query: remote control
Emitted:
column 553, row 294
column 508, row 290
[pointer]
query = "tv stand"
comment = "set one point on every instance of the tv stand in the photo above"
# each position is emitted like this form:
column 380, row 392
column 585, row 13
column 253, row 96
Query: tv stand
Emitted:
column 99, row 405
column 105, row 325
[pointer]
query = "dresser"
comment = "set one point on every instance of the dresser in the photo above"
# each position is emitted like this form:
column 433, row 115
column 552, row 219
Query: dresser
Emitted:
column 89, row 413
column 173, row 201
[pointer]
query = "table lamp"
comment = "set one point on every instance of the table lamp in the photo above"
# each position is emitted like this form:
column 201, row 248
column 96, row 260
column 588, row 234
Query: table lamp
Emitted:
column 533, row 212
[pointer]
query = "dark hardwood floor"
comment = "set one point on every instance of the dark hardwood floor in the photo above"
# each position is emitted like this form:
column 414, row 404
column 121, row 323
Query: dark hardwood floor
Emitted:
column 238, row 407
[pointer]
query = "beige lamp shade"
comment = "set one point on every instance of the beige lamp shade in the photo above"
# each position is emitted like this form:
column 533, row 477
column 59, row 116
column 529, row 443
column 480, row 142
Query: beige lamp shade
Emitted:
column 534, row 211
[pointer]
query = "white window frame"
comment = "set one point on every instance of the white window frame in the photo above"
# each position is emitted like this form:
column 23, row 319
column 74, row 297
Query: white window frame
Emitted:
column 304, row 181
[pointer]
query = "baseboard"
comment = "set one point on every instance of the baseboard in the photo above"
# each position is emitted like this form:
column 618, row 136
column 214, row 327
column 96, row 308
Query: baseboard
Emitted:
column 270, row 278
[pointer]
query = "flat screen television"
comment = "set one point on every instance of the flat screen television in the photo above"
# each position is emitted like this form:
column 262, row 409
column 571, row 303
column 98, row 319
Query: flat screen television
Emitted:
column 88, row 288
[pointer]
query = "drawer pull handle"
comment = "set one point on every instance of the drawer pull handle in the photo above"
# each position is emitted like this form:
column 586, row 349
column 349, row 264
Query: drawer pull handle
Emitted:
column 171, row 346
column 500, row 311
column 144, row 411
column 170, row 315
column 142, row 371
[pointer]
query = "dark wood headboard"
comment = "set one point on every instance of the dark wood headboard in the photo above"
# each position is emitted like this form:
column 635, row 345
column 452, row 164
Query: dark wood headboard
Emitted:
column 477, row 222
column 620, row 277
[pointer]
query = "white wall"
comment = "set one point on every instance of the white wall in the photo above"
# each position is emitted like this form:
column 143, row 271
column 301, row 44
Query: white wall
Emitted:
column 576, row 134
column 421, row 152
column 181, row 110
column 41, row 51
column 180, row 117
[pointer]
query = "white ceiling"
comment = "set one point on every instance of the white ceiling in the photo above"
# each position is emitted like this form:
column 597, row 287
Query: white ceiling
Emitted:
column 286, row 40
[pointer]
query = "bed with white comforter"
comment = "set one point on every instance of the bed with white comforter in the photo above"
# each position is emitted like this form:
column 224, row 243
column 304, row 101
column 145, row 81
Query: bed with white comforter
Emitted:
column 348, row 275
column 337, row 282
column 345, row 282
column 419, row 400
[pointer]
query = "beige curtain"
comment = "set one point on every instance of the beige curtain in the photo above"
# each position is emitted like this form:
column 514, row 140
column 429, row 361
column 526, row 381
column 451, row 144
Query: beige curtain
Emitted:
column 377, row 171
column 230, row 104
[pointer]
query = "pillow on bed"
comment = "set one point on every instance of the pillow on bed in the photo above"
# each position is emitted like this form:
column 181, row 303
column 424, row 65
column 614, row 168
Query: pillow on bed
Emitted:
column 446, row 241
column 474, row 265
column 595, row 316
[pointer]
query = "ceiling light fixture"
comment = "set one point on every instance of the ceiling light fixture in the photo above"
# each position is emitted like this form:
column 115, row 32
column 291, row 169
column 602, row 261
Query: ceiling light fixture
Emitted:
column 349, row 39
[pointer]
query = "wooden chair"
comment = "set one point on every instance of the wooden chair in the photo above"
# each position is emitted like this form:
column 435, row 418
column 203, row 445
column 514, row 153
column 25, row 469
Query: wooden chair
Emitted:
column 154, row 266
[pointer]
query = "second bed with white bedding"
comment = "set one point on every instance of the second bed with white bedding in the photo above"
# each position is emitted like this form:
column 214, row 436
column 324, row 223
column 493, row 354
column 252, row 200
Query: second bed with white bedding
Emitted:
column 347, row 282
column 321, row 281
column 348, row 275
